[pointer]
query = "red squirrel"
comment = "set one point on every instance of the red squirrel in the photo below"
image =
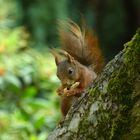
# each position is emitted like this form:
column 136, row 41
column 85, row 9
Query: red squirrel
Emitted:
column 79, row 50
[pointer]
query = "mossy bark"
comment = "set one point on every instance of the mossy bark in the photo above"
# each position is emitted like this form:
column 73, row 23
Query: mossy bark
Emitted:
column 110, row 108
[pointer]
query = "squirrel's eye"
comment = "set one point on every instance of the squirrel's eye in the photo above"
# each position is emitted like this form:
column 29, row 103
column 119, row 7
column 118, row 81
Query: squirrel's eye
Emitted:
column 70, row 70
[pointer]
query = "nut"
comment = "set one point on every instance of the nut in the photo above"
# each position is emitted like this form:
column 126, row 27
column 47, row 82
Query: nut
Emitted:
column 75, row 85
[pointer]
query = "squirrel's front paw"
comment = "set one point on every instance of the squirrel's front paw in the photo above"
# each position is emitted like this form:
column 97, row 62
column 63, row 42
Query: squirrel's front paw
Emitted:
column 69, row 92
column 72, row 90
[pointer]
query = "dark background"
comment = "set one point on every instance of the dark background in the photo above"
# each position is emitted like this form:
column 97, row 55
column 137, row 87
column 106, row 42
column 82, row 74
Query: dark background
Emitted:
column 115, row 21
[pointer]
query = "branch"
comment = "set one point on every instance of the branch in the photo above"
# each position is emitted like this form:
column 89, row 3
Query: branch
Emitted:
column 110, row 108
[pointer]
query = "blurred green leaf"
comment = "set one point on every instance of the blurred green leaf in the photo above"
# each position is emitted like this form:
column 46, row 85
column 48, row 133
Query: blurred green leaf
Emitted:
column 12, row 80
column 30, row 91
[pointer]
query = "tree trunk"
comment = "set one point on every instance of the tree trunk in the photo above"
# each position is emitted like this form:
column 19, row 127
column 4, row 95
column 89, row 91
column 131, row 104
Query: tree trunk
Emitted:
column 110, row 108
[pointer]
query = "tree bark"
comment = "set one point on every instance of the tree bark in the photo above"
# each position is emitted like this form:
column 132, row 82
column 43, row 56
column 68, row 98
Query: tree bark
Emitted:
column 110, row 108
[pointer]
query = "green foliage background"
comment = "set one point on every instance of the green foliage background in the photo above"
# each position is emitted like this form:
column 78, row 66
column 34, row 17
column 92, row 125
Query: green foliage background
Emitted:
column 28, row 102
column 29, row 105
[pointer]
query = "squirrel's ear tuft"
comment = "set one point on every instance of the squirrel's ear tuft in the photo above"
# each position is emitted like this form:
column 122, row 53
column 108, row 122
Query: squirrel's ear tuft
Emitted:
column 61, row 55
column 68, row 56
column 56, row 56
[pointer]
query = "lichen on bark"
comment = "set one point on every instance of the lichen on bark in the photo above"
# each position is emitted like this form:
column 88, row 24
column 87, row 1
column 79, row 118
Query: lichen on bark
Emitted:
column 110, row 108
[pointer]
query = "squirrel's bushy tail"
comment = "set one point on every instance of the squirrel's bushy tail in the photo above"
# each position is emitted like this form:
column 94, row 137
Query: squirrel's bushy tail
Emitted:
column 82, row 44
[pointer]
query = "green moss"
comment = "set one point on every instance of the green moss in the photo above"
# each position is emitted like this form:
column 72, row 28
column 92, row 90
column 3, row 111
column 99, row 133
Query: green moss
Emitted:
column 94, row 92
column 120, row 95
column 121, row 87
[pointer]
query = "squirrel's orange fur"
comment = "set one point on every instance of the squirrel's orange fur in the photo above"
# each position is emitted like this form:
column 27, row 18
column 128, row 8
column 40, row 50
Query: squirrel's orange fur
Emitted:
column 80, row 51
